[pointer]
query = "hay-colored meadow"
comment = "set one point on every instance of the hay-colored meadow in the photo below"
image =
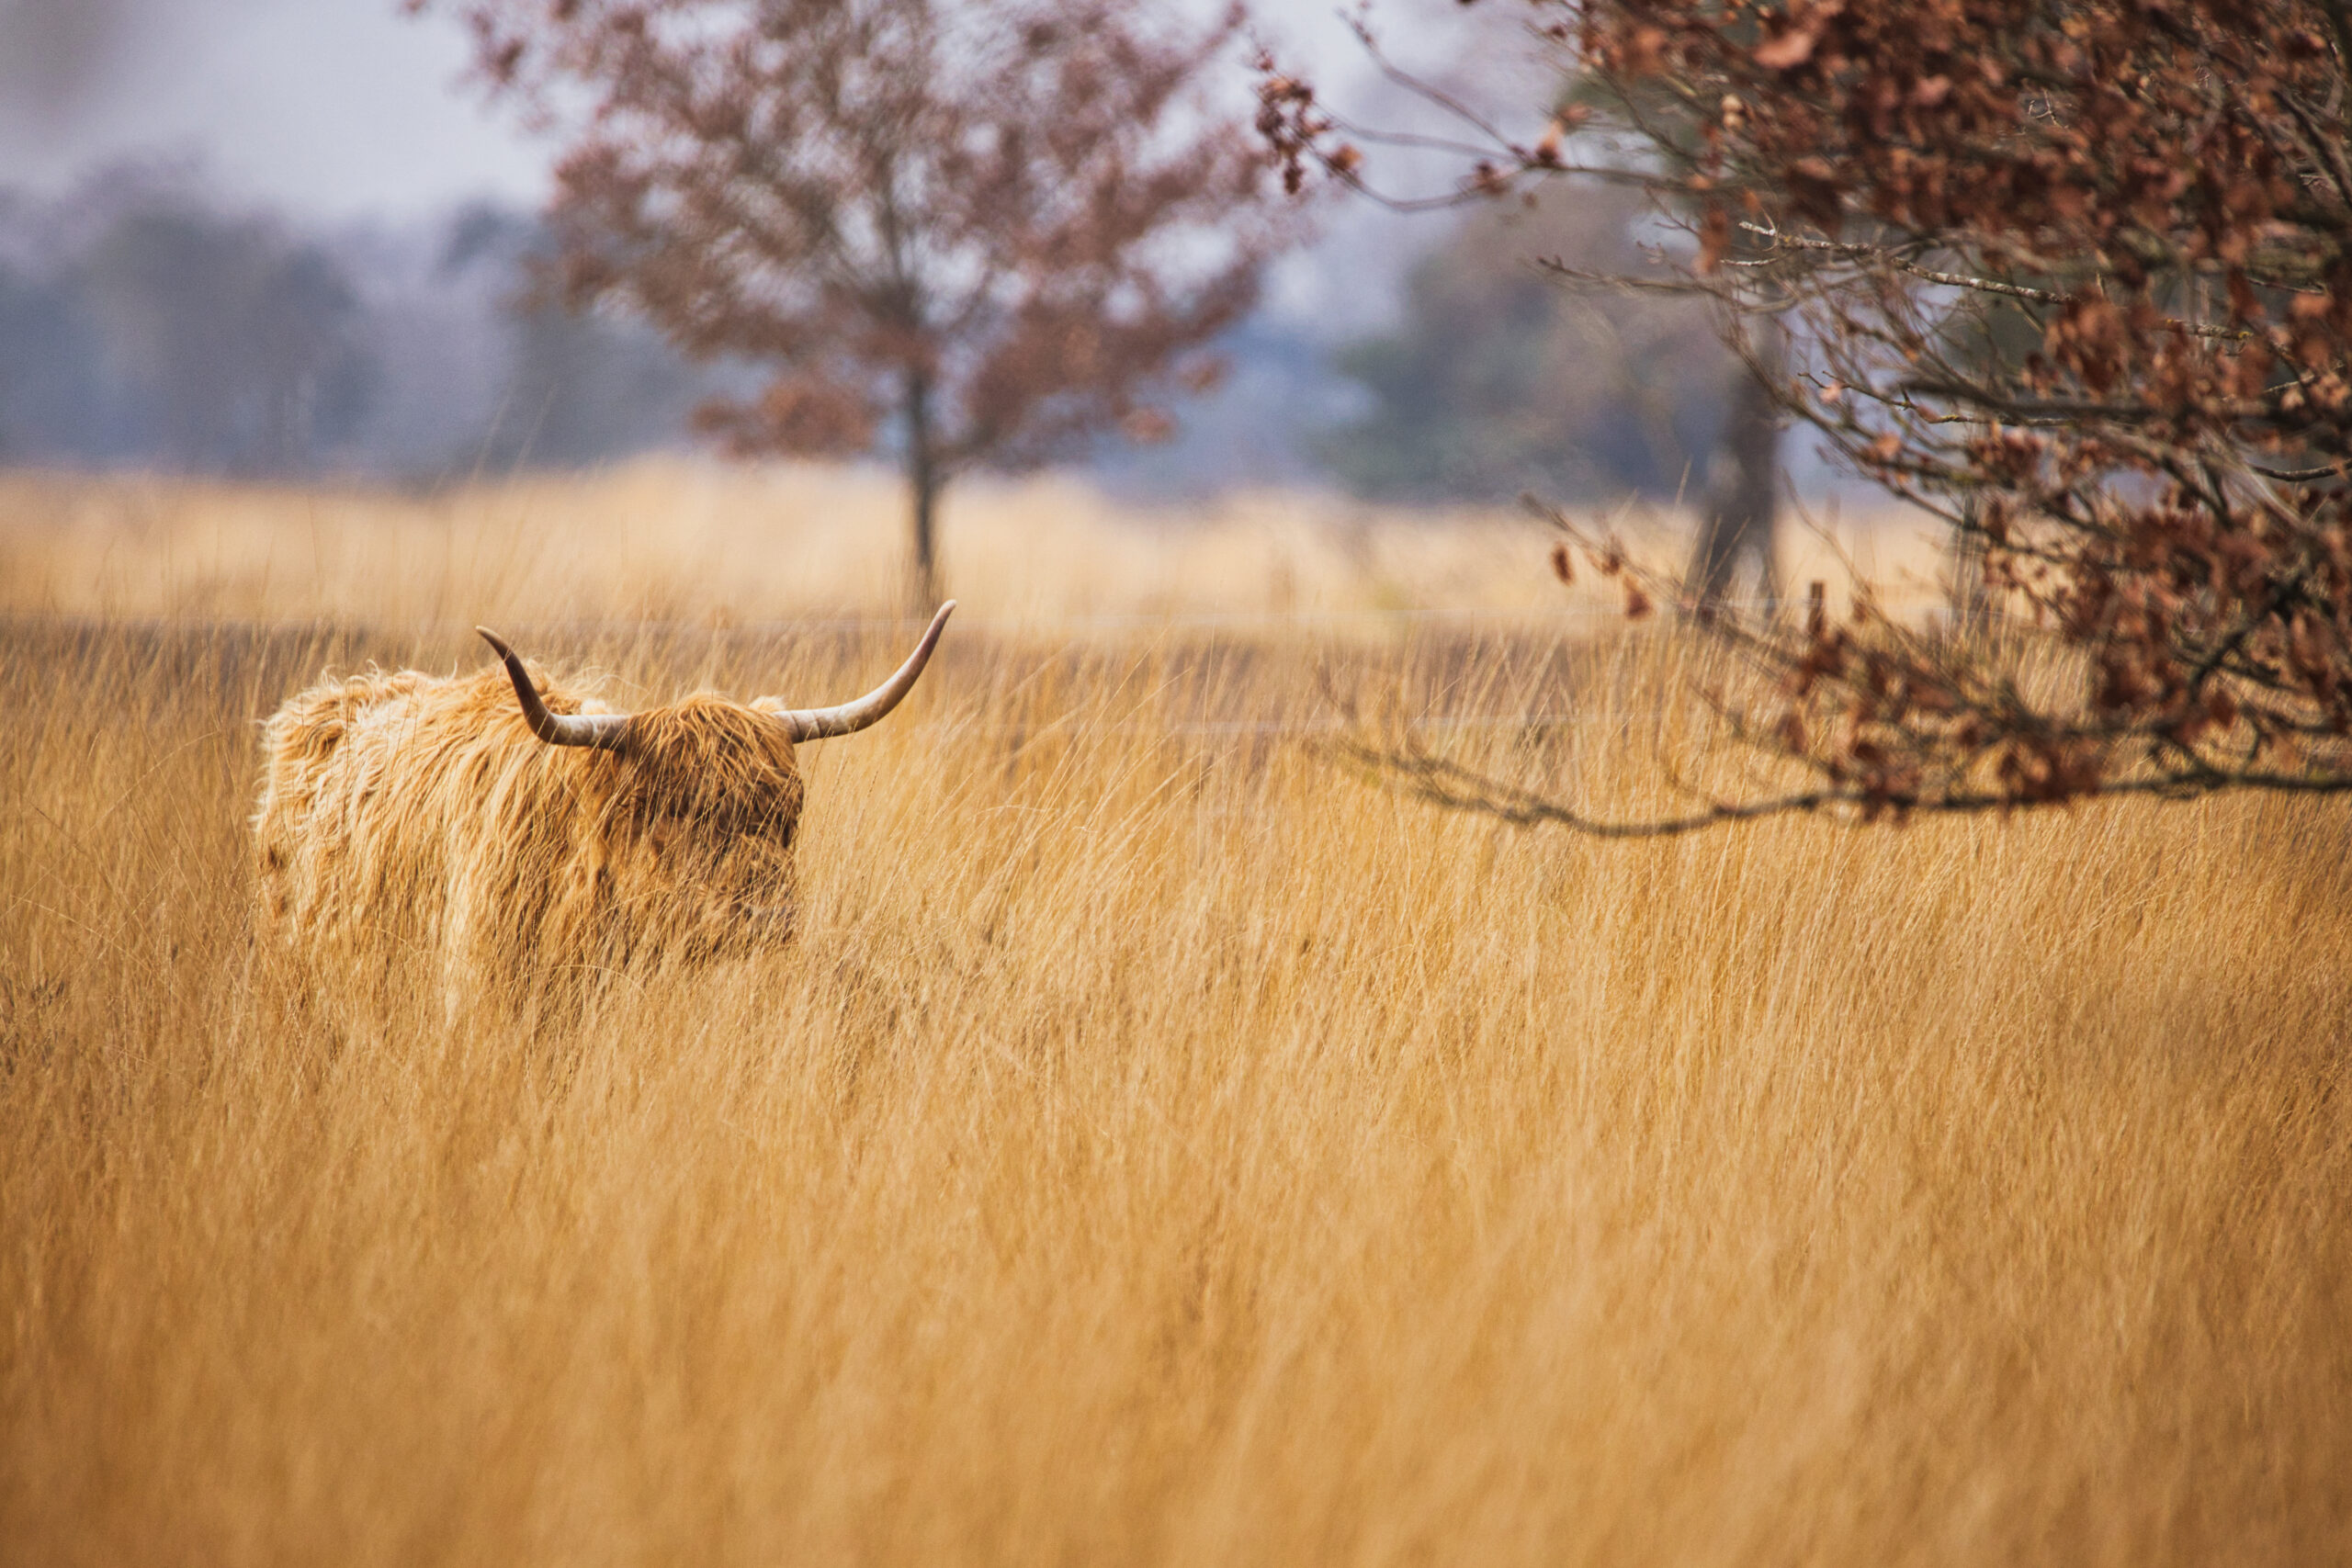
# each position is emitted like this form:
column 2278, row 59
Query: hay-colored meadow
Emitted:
column 664, row 540
column 1158, row 1146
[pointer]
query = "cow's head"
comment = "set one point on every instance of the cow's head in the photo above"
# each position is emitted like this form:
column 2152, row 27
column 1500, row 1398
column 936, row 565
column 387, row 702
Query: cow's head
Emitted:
column 695, row 804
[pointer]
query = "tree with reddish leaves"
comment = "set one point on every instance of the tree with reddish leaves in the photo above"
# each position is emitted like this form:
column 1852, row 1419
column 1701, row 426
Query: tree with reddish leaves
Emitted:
column 2073, row 275
column 977, row 232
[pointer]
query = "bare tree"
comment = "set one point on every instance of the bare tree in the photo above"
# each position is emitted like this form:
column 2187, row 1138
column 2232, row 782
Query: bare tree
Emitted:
column 998, row 226
column 2071, row 274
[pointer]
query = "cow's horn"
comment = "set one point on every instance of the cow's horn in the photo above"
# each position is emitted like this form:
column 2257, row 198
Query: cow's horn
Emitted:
column 818, row 723
column 600, row 730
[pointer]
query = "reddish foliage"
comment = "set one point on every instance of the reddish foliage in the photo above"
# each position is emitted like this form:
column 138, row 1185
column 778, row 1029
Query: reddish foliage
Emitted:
column 1005, row 223
column 2076, row 275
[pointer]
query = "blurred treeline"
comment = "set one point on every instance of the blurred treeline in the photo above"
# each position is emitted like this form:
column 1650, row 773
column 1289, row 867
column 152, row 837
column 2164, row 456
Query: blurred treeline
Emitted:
column 1502, row 376
column 144, row 323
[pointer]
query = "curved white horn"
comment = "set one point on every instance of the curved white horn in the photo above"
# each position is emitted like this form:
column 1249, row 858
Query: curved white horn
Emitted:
column 819, row 723
column 599, row 729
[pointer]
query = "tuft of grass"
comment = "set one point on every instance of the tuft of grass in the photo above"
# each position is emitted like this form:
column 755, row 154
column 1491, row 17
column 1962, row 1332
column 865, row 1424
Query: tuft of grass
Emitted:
column 1160, row 1147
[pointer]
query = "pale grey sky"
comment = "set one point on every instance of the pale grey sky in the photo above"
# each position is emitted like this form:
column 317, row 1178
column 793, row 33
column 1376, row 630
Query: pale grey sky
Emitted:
column 341, row 108
column 348, row 110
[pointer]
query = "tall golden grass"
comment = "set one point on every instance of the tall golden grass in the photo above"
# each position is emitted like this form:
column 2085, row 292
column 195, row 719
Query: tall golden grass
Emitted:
column 1160, row 1146
column 670, row 540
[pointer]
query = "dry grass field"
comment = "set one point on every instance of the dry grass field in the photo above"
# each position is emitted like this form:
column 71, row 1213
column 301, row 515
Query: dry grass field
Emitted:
column 719, row 546
column 1158, row 1146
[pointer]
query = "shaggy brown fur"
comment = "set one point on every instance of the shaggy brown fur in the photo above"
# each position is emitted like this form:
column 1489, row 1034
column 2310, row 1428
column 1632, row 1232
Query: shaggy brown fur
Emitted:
column 415, row 813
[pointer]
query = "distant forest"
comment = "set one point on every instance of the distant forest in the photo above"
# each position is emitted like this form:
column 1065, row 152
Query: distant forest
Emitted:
column 143, row 323
column 1499, row 377
column 146, row 323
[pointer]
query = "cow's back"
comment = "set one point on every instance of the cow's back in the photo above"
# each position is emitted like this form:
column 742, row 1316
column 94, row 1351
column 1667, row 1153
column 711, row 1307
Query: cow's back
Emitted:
column 377, row 831
column 321, row 761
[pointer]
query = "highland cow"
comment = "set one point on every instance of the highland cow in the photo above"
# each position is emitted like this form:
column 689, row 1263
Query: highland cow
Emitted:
column 508, row 829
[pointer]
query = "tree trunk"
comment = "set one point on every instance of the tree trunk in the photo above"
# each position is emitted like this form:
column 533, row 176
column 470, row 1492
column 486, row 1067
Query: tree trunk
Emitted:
column 1972, row 608
column 1741, row 514
column 924, row 484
